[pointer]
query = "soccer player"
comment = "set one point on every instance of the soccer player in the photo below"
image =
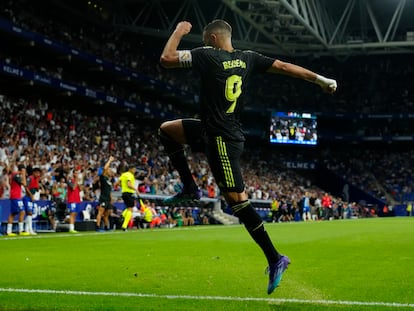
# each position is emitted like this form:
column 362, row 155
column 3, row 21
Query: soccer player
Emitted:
column 127, row 180
column 73, row 198
column 306, row 215
column 105, row 196
column 224, row 71
column 17, row 180
column 32, row 188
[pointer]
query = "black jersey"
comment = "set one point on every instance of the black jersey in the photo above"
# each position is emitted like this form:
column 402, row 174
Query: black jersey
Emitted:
column 106, row 188
column 223, row 76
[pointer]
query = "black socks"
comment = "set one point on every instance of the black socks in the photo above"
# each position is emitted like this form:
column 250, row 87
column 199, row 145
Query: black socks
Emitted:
column 254, row 225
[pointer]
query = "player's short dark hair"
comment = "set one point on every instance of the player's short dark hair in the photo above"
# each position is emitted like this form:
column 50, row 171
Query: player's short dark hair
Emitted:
column 218, row 25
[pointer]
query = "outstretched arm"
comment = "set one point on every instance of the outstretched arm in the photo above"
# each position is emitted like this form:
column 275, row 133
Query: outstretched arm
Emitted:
column 107, row 165
column 328, row 85
column 171, row 57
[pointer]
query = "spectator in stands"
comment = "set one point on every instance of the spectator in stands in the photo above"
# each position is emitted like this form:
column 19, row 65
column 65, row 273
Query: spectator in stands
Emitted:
column 203, row 217
column 48, row 212
column 73, row 198
column 115, row 218
column 105, row 199
column 158, row 218
column 4, row 184
column 177, row 217
column 87, row 194
column 59, row 194
column 163, row 213
column 188, row 218
column 223, row 70
column 59, row 190
column 169, row 212
column 211, row 190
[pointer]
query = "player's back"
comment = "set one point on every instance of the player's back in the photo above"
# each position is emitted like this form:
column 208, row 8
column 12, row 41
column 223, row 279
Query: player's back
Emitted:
column 223, row 77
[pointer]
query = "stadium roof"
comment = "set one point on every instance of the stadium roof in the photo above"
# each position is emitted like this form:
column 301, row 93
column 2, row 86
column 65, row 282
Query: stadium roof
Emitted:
column 281, row 27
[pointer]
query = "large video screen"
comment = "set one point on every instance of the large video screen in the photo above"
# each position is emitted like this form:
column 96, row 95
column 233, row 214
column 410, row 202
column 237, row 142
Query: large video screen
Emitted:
column 293, row 128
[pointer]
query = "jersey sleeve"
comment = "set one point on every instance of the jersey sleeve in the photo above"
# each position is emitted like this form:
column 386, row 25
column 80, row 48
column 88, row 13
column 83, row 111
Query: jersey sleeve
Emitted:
column 261, row 63
column 201, row 57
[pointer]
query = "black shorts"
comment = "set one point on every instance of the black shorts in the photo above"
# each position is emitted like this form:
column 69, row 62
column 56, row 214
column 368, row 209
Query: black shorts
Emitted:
column 128, row 198
column 223, row 155
column 106, row 204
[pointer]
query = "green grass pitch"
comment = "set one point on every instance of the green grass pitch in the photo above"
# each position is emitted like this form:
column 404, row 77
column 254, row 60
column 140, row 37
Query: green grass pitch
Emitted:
column 365, row 264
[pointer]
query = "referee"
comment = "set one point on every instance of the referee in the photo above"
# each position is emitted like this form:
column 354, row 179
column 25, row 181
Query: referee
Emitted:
column 127, row 180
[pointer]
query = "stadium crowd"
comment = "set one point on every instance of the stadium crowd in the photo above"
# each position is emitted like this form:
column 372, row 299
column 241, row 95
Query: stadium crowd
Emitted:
column 60, row 142
column 386, row 174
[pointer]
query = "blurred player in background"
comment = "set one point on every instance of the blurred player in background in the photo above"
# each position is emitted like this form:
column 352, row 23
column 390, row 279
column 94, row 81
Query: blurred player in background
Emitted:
column 105, row 206
column 17, row 180
column 32, row 195
column 73, row 198
column 129, row 194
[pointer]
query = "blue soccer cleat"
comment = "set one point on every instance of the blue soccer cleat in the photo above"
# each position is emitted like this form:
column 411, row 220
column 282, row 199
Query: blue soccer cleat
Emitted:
column 275, row 272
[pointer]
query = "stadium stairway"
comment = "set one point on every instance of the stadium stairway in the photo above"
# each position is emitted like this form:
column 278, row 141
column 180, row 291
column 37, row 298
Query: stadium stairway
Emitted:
column 224, row 218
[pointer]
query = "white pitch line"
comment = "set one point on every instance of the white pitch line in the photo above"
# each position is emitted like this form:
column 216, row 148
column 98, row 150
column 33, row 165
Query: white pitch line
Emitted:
column 219, row 298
